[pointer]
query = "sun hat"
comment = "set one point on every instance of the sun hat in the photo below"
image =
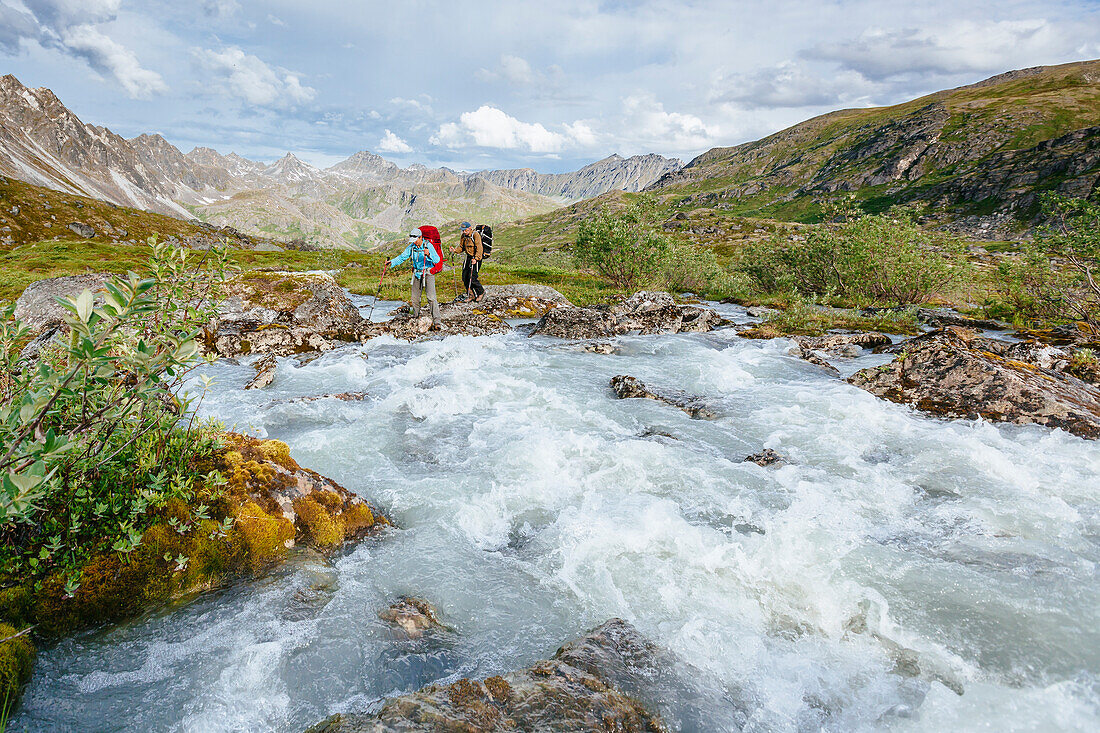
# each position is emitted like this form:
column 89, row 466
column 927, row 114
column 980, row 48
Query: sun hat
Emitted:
column 415, row 234
column 465, row 225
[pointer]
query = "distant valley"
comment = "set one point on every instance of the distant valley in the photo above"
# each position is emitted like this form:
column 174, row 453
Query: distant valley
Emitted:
column 359, row 202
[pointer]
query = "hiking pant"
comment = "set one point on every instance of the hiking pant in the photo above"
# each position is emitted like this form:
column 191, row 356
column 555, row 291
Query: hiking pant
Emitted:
column 470, row 269
column 424, row 282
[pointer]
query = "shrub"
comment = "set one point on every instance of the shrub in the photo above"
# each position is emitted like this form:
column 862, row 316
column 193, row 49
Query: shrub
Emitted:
column 695, row 269
column 628, row 248
column 1055, row 277
column 861, row 259
column 91, row 439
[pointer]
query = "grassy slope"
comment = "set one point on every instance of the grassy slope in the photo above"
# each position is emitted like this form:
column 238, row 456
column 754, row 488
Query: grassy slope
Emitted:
column 1014, row 114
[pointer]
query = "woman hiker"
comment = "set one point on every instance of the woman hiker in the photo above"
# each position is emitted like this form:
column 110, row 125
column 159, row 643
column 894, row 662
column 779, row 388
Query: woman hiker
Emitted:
column 424, row 257
column 470, row 244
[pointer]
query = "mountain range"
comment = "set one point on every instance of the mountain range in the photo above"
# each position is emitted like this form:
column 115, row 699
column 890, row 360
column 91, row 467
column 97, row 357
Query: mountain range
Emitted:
column 977, row 156
column 359, row 201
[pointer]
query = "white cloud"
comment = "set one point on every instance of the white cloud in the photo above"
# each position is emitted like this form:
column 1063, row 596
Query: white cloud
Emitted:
column 391, row 143
column 790, row 84
column 646, row 123
column 513, row 69
column 489, row 127
column 420, row 106
column 220, row 8
column 946, row 49
column 245, row 76
column 276, row 20
column 71, row 27
column 103, row 53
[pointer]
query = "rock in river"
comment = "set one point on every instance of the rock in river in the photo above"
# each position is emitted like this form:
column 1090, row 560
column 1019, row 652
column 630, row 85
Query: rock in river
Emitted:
column 282, row 313
column 576, row 690
column 955, row 373
column 628, row 387
column 644, row 312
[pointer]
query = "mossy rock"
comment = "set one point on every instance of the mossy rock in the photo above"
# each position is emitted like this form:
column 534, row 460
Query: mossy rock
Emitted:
column 16, row 664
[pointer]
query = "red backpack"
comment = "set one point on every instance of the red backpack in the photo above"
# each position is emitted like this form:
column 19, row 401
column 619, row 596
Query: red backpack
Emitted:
column 432, row 235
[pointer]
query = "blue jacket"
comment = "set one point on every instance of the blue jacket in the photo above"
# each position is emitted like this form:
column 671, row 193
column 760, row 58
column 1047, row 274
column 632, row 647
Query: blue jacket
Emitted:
column 421, row 262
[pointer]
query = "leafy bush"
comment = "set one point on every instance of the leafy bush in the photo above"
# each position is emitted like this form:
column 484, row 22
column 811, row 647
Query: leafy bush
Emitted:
column 694, row 269
column 628, row 247
column 91, row 437
column 1055, row 277
column 863, row 259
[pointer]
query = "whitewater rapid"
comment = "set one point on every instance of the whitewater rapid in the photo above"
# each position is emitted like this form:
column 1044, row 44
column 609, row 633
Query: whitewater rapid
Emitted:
column 896, row 560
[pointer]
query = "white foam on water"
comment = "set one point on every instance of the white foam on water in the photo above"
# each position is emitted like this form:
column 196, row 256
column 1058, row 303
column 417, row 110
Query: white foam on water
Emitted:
column 894, row 557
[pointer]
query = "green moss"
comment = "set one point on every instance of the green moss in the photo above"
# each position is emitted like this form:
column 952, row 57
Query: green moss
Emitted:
column 16, row 664
column 317, row 524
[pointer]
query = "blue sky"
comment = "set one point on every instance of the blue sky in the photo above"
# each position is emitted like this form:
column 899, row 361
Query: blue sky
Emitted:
column 550, row 85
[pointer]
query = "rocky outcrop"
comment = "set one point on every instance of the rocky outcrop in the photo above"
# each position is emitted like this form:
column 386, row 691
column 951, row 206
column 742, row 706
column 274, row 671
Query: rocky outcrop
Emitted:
column 955, row 373
column 611, row 173
column 628, row 387
column 265, row 372
column 38, row 308
column 282, row 313
column 579, row 689
column 644, row 312
column 454, row 321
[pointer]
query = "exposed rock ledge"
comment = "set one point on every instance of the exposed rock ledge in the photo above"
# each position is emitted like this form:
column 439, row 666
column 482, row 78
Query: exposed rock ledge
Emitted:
column 628, row 387
column 955, row 373
column 644, row 312
column 579, row 689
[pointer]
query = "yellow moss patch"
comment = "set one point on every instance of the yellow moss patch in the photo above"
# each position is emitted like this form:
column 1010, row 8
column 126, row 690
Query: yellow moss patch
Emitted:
column 317, row 524
column 358, row 517
column 16, row 663
column 264, row 535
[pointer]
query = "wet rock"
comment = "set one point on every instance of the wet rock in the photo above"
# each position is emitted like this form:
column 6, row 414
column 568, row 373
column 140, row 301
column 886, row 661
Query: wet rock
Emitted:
column 644, row 312
column 82, row 229
column 413, row 615
column 599, row 347
column 813, row 357
column 759, row 311
column 628, row 387
column 954, row 373
column 454, row 321
column 766, row 457
column 343, row 396
column 576, row 690
column 940, row 317
column 265, row 372
column 310, row 598
column 839, row 343
column 38, row 308
column 282, row 313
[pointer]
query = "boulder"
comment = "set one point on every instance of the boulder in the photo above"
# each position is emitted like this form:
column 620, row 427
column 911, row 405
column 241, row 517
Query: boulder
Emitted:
column 955, row 373
column 518, row 301
column 282, row 313
column 82, row 229
column 838, row 343
column 644, row 312
column 38, row 308
column 579, row 689
column 454, row 321
column 414, row 616
column 766, row 457
column 628, row 387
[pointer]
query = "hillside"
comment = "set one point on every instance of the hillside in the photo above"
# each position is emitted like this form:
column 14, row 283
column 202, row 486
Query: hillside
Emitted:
column 614, row 173
column 30, row 213
column 978, row 155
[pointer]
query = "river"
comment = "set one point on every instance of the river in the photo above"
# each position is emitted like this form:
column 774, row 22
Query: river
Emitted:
column 895, row 558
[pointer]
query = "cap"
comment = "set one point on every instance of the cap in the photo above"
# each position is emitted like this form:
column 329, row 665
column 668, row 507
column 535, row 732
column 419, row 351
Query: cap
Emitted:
column 415, row 234
column 465, row 225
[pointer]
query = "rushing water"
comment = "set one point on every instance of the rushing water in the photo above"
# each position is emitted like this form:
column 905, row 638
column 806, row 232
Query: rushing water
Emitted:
column 896, row 558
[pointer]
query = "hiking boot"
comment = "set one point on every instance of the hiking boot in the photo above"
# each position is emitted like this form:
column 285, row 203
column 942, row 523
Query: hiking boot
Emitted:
column 461, row 298
column 479, row 298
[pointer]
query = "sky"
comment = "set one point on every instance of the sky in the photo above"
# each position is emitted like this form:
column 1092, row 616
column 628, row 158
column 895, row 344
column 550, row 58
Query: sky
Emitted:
column 550, row 85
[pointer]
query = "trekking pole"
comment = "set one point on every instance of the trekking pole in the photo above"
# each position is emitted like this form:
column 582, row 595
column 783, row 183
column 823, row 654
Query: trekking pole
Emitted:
column 377, row 293
column 454, row 277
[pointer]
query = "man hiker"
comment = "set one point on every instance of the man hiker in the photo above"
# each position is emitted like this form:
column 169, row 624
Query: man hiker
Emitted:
column 470, row 244
column 424, row 257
